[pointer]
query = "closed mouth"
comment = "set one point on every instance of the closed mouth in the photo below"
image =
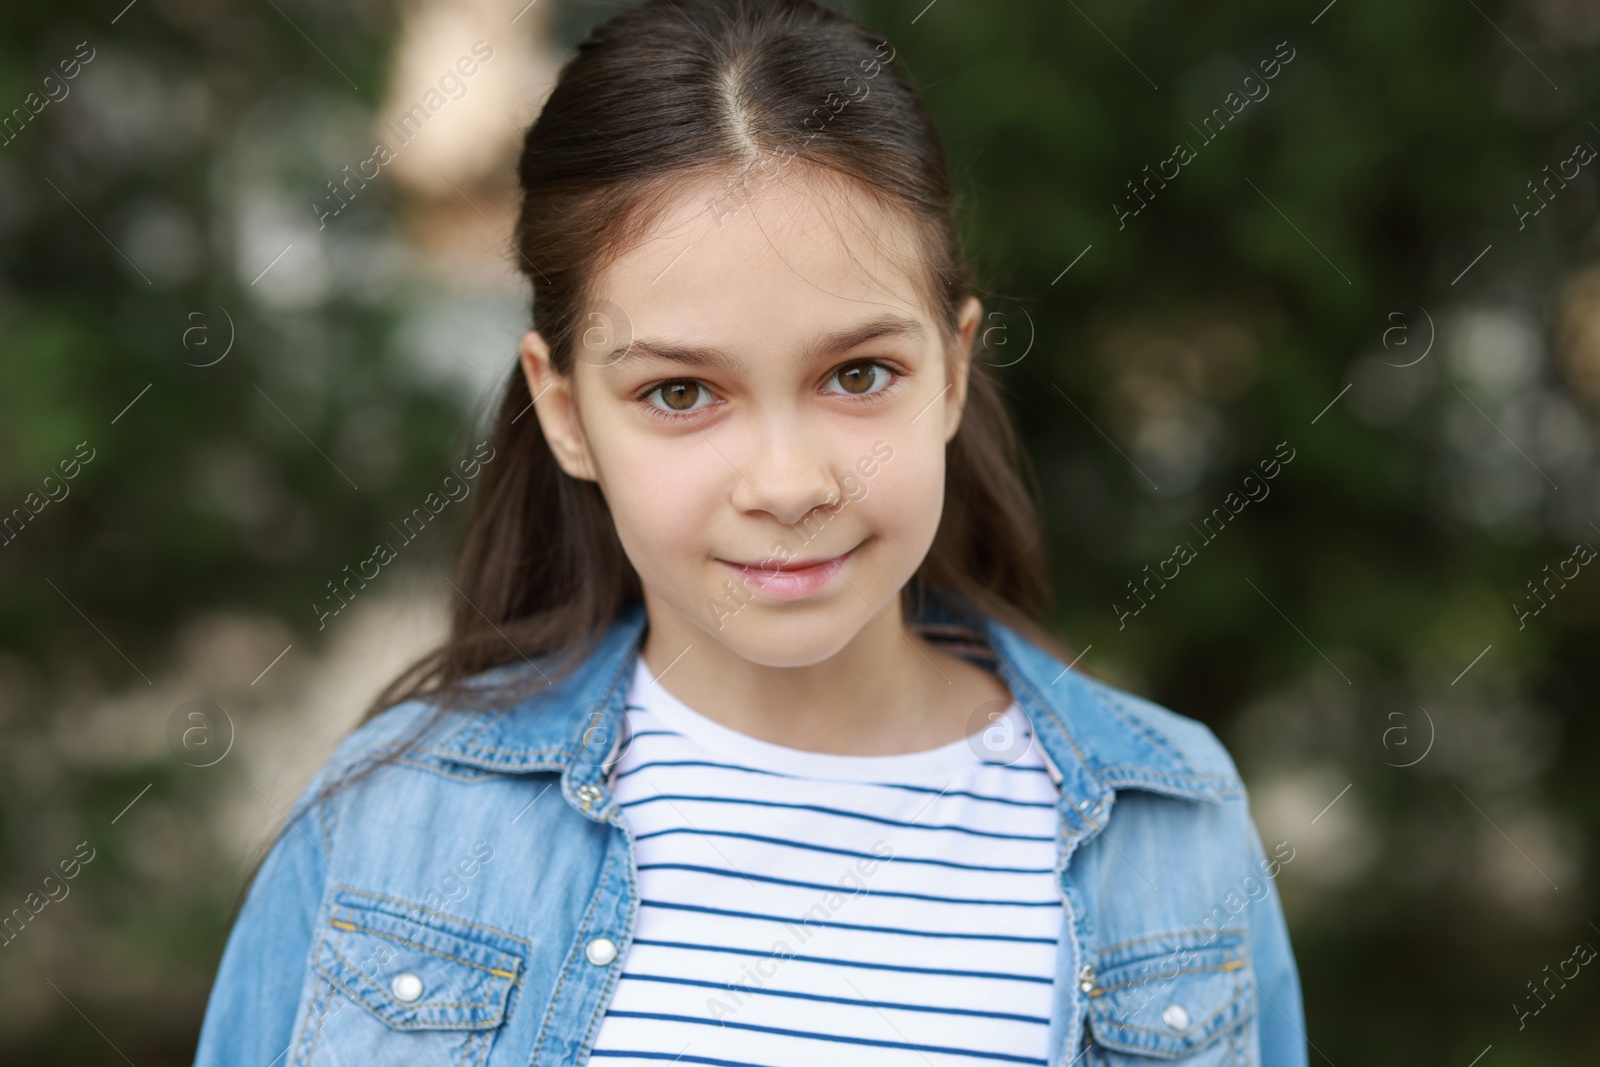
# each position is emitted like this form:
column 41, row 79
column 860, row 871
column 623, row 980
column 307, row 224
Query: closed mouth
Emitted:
column 770, row 566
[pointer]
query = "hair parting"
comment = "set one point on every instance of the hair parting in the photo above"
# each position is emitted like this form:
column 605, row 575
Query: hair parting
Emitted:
column 656, row 98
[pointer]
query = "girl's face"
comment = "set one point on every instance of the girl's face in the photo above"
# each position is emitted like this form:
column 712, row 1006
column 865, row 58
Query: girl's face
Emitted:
column 760, row 388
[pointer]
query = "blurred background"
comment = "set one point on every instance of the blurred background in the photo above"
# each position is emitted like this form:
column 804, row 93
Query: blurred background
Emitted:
column 231, row 355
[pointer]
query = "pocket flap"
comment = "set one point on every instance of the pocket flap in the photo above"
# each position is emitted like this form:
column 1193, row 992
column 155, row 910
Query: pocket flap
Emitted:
column 1167, row 996
column 416, row 969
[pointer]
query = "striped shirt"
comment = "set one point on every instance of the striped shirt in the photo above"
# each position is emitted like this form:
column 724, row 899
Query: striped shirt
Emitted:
column 798, row 908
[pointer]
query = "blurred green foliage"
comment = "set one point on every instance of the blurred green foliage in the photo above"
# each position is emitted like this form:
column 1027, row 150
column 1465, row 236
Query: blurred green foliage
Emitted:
column 1180, row 348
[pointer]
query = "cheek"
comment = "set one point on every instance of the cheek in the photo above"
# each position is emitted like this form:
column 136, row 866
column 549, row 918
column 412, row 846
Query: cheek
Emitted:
column 663, row 498
column 905, row 498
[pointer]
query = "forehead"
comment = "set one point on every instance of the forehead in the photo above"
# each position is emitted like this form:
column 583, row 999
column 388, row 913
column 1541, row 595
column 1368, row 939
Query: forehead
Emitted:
column 765, row 268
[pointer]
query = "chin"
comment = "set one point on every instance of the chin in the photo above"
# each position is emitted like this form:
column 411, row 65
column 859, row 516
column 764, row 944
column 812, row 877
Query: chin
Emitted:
column 763, row 635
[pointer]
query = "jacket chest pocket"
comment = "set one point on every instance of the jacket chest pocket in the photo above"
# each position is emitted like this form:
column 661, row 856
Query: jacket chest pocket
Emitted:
column 394, row 984
column 1184, row 998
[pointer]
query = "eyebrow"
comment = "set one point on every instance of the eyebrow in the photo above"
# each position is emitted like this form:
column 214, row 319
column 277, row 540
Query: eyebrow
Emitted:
column 716, row 359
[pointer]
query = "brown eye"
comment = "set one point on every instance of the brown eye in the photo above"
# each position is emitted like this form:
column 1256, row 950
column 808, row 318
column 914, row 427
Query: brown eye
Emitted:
column 679, row 396
column 859, row 378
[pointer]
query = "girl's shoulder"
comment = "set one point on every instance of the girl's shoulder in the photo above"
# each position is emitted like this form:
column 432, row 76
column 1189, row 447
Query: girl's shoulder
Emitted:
column 1125, row 739
column 1193, row 744
column 506, row 712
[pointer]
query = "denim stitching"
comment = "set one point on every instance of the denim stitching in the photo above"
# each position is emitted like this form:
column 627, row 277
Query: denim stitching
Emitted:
column 549, row 750
column 468, row 759
column 430, row 1004
column 320, row 1014
column 1017, row 681
column 442, row 773
column 1234, row 1031
column 436, row 952
column 1119, row 707
column 1240, row 930
column 624, row 663
column 1187, row 776
column 597, row 1018
column 1113, row 1043
column 465, row 734
column 483, row 1051
column 572, row 957
column 1137, row 772
column 311, row 1008
column 1193, row 791
column 408, row 904
column 1230, row 965
column 400, row 1026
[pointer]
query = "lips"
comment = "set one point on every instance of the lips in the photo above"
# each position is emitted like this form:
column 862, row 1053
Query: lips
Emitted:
column 769, row 566
column 792, row 580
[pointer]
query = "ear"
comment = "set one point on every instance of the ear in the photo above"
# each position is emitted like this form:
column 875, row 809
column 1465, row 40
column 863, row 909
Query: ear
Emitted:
column 556, row 405
column 960, row 363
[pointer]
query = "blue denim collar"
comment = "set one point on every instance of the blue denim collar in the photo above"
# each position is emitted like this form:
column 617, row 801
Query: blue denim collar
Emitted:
column 1092, row 744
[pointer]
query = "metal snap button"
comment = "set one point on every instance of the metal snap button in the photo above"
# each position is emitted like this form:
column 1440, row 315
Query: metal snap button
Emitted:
column 1174, row 1016
column 601, row 951
column 406, row 987
column 590, row 793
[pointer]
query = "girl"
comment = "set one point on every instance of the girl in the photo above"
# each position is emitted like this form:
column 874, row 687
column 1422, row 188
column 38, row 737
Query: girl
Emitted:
column 748, row 745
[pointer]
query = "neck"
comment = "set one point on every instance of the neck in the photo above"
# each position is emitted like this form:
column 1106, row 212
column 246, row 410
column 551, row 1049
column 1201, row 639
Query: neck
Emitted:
column 886, row 691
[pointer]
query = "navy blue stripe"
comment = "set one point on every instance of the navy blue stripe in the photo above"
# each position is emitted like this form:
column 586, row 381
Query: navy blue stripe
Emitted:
column 842, row 851
column 881, row 785
column 846, row 963
column 845, row 926
column 982, row 763
column 838, row 811
column 663, row 732
column 818, row 885
column 1013, row 767
column 674, row 733
column 757, row 990
column 872, row 1042
column 679, row 1058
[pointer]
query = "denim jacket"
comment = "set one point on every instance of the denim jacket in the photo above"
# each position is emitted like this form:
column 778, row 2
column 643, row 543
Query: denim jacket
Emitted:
column 472, row 904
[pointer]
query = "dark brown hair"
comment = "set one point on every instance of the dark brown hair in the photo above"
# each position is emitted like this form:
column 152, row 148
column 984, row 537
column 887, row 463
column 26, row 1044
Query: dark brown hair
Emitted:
column 665, row 93
column 661, row 95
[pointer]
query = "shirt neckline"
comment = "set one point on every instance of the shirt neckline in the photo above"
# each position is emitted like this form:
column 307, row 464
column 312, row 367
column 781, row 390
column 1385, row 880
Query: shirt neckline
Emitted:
column 933, row 763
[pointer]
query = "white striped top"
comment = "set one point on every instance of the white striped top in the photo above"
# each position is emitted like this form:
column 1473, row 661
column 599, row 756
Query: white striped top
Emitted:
column 798, row 908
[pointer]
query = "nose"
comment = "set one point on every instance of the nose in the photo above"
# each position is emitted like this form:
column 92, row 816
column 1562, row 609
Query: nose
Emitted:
column 784, row 471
